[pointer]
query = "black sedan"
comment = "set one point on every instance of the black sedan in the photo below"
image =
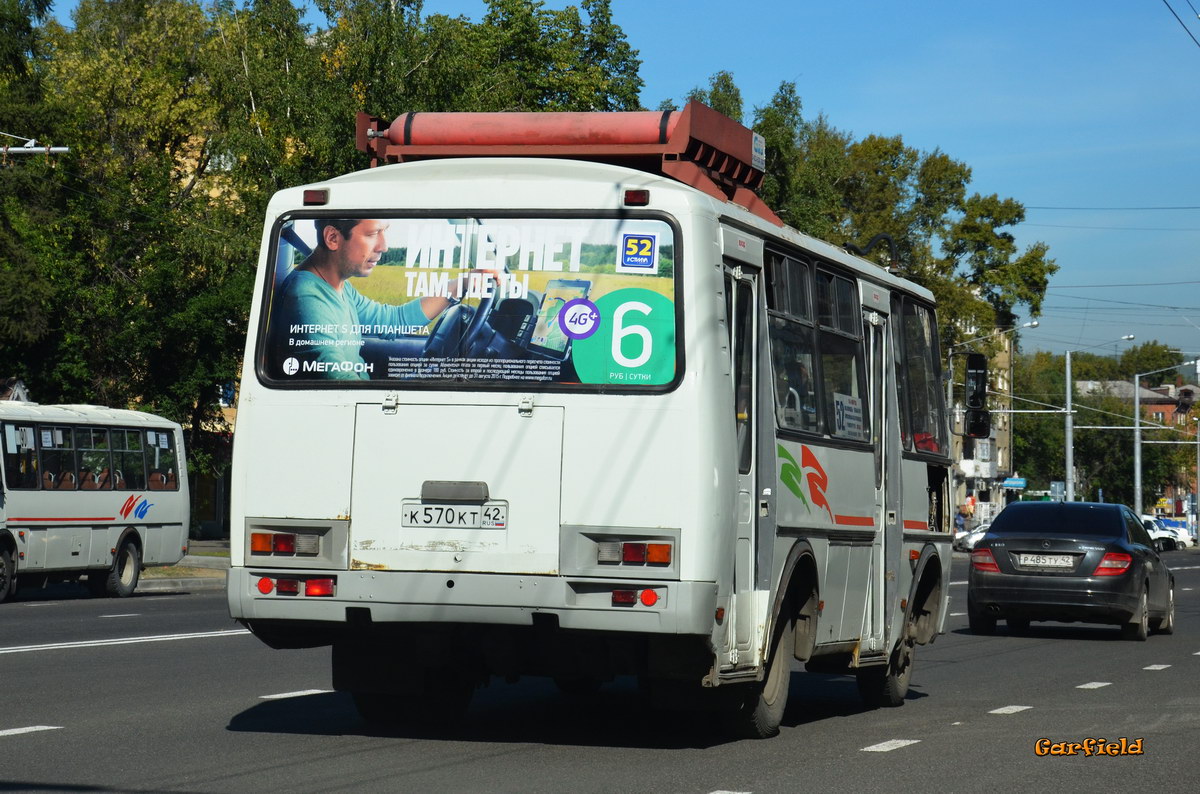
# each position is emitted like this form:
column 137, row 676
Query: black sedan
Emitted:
column 1069, row 561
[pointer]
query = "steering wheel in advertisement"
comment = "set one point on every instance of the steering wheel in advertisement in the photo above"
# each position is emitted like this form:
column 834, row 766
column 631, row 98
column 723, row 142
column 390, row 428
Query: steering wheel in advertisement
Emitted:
column 450, row 338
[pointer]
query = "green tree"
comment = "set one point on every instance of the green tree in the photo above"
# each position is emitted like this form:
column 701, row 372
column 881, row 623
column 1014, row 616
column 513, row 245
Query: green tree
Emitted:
column 1153, row 357
column 722, row 95
column 1104, row 458
column 18, row 33
column 150, row 288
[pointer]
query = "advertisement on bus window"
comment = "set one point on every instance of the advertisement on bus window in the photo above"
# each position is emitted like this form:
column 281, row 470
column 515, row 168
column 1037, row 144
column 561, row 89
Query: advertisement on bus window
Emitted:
column 497, row 301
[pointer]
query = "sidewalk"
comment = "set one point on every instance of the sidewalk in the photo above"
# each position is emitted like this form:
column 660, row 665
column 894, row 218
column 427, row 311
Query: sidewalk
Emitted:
column 192, row 560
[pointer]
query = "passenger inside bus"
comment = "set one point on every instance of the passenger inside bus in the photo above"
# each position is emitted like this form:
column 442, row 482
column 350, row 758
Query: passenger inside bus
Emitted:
column 794, row 390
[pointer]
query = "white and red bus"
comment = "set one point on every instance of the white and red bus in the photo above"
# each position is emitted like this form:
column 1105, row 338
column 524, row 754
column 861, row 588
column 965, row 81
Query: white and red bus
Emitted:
column 89, row 492
column 557, row 394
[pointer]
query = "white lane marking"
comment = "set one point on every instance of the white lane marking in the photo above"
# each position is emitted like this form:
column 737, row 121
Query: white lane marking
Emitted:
column 1009, row 709
column 1185, row 589
column 1184, row 567
column 723, row 791
column 965, row 581
column 1094, row 685
column 956, row 723
column 957, row 614
column 30, row 729
column 301, row 693
column 1156, row 667
column 889, row 745
column 58, row 646
column 126, row 615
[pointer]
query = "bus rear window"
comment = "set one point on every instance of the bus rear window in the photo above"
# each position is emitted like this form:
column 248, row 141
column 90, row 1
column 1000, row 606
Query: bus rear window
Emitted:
column 463, row 302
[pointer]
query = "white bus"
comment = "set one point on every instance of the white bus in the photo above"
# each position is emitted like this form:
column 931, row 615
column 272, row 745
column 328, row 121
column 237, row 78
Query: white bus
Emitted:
column 556, row 394
column 89, row 491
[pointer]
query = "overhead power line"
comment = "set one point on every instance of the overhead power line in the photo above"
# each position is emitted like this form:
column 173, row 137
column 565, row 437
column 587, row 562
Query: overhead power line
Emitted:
column 1181, row 23
column 1108, row 209
column 1142, row 284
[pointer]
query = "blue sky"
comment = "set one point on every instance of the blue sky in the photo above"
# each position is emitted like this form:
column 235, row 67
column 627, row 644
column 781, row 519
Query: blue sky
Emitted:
column 1056, row 103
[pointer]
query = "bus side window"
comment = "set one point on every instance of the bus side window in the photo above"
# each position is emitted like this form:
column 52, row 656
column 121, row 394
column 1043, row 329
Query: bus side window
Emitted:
column 161, row 451
column 20, row 457
column 920, row 381
column 842, row 356
column 129, row 460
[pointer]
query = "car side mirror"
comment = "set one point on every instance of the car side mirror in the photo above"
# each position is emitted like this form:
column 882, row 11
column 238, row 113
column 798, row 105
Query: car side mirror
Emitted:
column 977, row 421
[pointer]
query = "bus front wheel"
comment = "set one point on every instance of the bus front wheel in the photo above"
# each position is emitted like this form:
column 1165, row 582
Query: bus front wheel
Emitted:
column 8, row 576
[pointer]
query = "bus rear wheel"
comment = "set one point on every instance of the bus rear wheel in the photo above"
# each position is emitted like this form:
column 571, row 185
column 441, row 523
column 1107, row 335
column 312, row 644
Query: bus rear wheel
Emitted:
column 760, row 711
column 121, row 579
column 441, row 705
column 887, row 685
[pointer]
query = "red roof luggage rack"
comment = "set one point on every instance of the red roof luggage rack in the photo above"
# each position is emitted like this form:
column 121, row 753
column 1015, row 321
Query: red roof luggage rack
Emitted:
column 697, row 145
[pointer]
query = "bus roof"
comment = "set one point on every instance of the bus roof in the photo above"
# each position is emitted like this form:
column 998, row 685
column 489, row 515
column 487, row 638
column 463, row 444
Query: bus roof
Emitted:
column 13, row 410
column 697, row 145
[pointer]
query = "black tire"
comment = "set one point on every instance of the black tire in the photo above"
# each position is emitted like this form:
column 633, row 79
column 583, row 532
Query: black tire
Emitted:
column 1166, row 624
column 980, row 622
column 442, row 704
column 887, row 685
column 577, row 686
column 1017, row 626
column 759, row 712
column 8, row 576
column 126, row 568
column 1138, row 629
column 380, row 710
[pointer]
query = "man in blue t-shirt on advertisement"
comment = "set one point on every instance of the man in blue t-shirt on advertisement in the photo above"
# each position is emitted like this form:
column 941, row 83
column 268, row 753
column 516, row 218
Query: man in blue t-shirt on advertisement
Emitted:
column 320, row 319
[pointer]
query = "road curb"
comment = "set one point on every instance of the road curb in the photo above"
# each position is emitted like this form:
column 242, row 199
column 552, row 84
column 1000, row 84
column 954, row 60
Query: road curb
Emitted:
column 189, row 584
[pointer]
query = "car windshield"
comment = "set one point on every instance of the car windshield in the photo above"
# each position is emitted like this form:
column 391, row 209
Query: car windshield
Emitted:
column 1056, row 518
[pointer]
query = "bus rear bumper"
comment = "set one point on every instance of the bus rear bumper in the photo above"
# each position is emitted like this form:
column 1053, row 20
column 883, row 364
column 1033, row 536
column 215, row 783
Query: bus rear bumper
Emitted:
column 396, row 597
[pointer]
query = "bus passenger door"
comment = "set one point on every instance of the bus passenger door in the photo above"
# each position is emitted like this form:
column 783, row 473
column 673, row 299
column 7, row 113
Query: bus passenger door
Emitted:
column 884, row 419
column 753, row 425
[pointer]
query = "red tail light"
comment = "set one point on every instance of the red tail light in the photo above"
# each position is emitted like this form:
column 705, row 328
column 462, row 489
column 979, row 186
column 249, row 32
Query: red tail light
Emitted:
column 624, row 598
column 633, row 552
column 1114, row 563
column 287, row 587
column 283, row 544
column 318, row 587
column 982, row 560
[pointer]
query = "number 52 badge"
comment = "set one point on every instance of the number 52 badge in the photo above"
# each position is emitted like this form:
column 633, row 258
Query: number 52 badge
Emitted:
column 639, row 254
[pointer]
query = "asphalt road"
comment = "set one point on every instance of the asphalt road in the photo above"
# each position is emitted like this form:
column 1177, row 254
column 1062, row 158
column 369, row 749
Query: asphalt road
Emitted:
column 163, row 692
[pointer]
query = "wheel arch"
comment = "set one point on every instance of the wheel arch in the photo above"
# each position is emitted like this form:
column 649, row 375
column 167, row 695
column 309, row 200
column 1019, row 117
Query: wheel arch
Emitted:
column 8, row 542
column 923, row 611
column 799, row 591
column 132, row 533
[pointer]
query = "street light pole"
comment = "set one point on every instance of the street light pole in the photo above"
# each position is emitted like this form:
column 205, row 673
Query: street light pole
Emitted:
column 1137, row 431
column 1070, row 436
column 1196, row 489
column 1070, row 419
